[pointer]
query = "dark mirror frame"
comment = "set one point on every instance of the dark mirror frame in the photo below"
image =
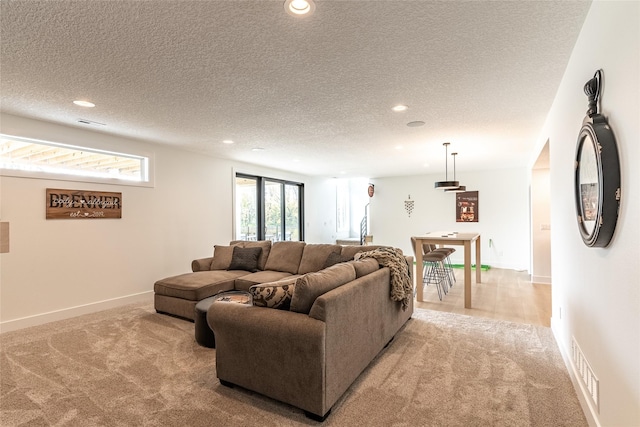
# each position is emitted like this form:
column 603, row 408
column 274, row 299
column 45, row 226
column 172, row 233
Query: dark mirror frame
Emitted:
column 595, row 130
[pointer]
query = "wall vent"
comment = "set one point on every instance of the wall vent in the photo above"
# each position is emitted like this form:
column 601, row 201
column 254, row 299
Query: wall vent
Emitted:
column 90, row 122
column 590, row 383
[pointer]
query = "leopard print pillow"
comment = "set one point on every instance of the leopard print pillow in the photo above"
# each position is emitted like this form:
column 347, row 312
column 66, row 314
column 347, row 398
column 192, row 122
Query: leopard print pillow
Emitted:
column 273, row 295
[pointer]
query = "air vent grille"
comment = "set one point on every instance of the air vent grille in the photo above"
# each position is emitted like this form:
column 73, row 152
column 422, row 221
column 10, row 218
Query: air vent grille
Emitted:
column 90, row 122
column 590, row 382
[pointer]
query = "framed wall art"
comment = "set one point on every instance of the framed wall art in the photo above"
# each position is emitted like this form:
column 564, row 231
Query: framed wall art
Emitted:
column 467, row 206
column 82, row 204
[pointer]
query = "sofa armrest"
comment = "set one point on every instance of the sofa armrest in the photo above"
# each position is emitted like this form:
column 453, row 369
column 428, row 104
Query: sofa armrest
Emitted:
column 278, row 353
column 202, row 264
column 409, row 259
column 361, row 319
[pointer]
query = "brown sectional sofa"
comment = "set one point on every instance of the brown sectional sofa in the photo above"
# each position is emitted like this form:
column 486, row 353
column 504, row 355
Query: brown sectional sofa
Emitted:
column 178, row 295
column 338, row 317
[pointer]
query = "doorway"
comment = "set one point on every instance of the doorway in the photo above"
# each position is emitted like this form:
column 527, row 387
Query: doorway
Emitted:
column 541, row 218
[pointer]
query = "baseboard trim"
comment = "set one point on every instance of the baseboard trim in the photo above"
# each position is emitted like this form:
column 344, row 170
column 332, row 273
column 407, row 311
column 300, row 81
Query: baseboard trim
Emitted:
column 544, row 280
column 66, row 313
column 588, row 409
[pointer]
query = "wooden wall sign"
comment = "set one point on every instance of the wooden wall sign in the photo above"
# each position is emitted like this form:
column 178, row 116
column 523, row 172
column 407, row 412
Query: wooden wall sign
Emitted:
column 81, row 204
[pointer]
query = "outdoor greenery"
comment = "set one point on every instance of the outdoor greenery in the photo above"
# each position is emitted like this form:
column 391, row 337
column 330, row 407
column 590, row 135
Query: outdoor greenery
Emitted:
column 248, row 210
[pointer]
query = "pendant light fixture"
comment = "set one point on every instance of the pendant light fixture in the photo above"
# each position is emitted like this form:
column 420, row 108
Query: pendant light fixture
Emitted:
column 460, row 188
column 446, row 184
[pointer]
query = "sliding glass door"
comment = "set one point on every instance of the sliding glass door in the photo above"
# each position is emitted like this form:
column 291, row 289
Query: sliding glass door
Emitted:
column 292, row 214
column 268, row 209
column 246, row 208
column 273, row 211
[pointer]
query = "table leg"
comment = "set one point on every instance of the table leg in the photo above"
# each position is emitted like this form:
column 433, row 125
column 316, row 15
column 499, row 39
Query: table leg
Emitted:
column 418, row 273
column 467, row 274
column 478, row 262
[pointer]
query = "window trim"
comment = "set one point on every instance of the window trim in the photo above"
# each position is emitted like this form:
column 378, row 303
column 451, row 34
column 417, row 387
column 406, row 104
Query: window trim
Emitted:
column 146, row 157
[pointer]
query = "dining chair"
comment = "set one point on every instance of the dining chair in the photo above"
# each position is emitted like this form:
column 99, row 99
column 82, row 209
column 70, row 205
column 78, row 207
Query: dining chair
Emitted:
column 448, row 265
column 433, row 268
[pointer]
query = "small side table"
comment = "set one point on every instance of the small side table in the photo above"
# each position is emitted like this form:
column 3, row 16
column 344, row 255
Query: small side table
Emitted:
column 203, row 333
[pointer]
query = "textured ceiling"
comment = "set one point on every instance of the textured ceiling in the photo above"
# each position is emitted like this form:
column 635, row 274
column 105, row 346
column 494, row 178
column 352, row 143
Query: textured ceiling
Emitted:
column 315, row 93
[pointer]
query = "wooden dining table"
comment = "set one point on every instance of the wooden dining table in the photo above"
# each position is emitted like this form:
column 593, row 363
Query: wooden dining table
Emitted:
column 449, row 239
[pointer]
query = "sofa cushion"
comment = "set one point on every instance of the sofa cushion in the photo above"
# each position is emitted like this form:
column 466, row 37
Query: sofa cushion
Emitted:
column 245, row 259
column 351, row 251
column 264, row 244
column 314, row 257
column 221, row 257
column 285, row 256
column 365, row 266
column 335, row 258
column 197, row 286
column 274, row 294
column 248, row 280
column 312, row 285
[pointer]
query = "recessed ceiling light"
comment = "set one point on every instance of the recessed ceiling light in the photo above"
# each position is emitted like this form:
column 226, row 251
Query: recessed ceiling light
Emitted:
column 399, row 147
column 299, row 7
column 415, row 124
column 257, row 149
column 84, row 103
column 227, row 141
column 399, row 108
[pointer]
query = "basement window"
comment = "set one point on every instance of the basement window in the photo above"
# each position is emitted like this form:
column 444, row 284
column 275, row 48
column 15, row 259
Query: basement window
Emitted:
column 44, row 159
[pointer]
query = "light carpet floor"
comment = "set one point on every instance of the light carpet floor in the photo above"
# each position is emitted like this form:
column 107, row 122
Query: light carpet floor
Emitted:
column 132, row 367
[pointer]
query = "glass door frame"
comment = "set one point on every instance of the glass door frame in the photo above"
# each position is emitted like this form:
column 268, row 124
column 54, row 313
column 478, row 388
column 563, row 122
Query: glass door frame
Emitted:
column 260, row 203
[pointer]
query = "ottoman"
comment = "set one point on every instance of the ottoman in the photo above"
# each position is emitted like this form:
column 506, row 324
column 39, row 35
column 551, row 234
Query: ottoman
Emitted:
column 204, row 334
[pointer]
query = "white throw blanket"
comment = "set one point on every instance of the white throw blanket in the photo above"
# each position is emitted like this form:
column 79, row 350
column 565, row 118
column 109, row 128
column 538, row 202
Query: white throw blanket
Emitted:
column 401, row 287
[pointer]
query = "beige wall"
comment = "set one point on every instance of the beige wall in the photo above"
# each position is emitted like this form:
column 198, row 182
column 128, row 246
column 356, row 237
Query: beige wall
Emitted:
column 596, row 291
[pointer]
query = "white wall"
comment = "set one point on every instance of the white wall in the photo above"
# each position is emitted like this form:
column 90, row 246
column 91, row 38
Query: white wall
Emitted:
column 320, row 211
column 596, row 291
column 59, row 268
column 503, row 213
column 359, row 198
column 540, row 226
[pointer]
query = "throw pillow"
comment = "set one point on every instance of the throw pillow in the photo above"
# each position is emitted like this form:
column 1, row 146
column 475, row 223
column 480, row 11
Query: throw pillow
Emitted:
column 335, row 258
column 266, row 248
column 312, row 285
column 365, row 266
column 285, row 256
column 315, row 255
column 245, row 259
column 221, row 257
column 273, row 295
column 264, row 244
column 351, row 251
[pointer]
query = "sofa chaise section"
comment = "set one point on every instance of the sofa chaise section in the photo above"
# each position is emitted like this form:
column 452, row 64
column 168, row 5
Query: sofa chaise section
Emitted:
column 178, row 295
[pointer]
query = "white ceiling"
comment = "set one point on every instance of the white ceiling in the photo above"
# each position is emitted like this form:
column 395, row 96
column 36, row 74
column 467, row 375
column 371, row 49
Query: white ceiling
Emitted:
column 315, row 93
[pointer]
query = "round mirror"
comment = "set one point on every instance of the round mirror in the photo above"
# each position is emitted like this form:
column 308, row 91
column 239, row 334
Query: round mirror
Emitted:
column 597, row 182
column 597, row 174
column 588, row 177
